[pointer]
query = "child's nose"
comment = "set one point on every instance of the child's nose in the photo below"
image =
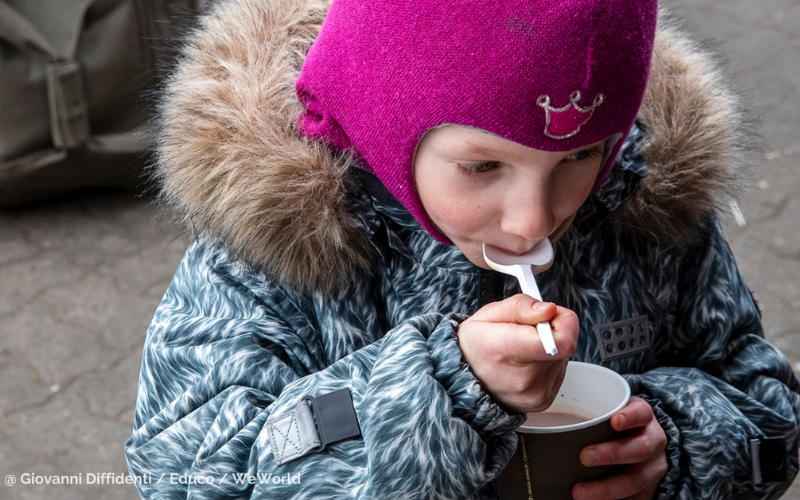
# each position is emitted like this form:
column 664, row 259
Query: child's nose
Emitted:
column 528, row 215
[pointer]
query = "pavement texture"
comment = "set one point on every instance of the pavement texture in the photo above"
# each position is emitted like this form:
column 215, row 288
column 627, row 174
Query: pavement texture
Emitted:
column 80, row 277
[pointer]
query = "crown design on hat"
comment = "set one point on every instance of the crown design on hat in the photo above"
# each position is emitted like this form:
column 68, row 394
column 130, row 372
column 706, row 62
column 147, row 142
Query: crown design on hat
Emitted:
column 566, row 122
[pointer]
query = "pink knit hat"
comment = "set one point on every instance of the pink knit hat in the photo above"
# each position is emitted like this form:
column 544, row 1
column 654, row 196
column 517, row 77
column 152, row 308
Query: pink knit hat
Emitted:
column 552, row 75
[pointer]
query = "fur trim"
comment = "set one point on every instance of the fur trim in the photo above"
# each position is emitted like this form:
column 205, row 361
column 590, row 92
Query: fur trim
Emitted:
column 230, row 162
column 233, row 167
column 695, row 141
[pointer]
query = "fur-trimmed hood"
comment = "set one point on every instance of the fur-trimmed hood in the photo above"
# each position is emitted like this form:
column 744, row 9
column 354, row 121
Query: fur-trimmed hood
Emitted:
column 232, row 166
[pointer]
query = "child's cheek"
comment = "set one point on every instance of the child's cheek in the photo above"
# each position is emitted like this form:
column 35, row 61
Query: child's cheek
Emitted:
column 572, row 191
column 458, row 217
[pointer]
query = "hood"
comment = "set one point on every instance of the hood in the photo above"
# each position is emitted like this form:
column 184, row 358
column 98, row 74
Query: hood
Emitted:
column 232, row 167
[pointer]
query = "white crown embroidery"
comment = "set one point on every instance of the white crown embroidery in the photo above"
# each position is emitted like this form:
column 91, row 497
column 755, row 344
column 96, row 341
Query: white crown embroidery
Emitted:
column 563, row 123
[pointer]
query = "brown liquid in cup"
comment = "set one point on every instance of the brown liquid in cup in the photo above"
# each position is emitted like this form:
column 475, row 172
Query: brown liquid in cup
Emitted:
column 553, row 419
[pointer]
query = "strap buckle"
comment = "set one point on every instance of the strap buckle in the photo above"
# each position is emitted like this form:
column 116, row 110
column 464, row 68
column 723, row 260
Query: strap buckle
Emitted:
column 69, row 112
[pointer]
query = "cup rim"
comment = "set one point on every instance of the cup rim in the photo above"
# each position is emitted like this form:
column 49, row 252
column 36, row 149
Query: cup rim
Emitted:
column 589, row 423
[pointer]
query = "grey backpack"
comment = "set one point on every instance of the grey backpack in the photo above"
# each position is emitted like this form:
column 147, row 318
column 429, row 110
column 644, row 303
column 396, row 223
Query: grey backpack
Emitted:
column 72, row 77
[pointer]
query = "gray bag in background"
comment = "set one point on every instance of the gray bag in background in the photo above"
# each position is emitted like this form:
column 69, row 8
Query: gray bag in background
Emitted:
column 72, row 78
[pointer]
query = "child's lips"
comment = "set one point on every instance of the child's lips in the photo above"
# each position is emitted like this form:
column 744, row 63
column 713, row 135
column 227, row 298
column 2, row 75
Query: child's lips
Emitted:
column 518, row 252
column 511, row 252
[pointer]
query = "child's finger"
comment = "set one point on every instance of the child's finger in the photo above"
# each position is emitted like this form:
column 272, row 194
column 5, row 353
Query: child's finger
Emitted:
column 629, row 482
column 638, row 447
column 566, row 327
column 520, row 309
column 523, row 345
column 627, row 450
column 637, row 413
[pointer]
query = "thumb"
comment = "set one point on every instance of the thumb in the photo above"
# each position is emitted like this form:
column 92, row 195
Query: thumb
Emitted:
column 520, row 309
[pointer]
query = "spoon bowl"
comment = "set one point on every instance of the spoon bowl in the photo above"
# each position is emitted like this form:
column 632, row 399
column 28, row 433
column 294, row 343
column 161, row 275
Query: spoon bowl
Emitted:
column 540, row 257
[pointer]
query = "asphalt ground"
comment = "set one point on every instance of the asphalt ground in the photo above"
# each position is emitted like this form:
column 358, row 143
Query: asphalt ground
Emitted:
column 80, row 277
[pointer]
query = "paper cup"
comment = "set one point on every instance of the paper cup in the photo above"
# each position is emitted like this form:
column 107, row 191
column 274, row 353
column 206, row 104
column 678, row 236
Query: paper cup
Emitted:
column 547, row 463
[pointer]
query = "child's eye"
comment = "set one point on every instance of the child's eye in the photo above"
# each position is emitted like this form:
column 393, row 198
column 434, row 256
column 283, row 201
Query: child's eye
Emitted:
column 586, row 154
column 477, row 168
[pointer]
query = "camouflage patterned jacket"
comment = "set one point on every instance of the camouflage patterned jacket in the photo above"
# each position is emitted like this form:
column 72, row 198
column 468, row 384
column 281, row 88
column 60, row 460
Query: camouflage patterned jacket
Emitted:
column 306, row 277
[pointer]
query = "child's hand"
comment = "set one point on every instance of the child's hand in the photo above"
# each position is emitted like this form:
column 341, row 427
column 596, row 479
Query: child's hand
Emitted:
column 502, row 347
column 643, row 449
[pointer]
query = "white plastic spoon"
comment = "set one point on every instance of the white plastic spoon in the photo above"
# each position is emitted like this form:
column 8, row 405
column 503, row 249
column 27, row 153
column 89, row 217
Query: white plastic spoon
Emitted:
column 523, row 267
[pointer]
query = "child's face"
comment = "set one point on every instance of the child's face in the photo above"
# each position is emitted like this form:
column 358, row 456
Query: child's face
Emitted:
column 479, row 188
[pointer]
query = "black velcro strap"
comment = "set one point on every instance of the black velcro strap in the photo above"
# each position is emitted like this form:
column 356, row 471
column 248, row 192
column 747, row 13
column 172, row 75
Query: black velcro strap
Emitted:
column 770, row 460
column 335, row 416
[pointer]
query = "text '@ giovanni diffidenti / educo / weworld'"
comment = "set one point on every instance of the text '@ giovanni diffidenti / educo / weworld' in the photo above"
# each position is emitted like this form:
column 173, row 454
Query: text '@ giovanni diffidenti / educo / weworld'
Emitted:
column 104, row 478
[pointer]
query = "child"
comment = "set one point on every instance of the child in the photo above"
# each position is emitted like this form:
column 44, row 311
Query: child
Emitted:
column 334, row 332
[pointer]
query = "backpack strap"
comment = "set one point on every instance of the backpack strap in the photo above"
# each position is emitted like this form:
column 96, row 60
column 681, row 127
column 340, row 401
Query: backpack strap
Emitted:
column 69, row 111
column 18, row 31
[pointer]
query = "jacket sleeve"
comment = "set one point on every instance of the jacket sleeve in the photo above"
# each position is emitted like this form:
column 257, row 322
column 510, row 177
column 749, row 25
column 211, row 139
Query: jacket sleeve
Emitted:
column 218, row 362
column 727, row 385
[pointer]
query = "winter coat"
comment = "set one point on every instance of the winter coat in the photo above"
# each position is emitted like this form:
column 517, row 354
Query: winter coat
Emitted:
column 307, row 277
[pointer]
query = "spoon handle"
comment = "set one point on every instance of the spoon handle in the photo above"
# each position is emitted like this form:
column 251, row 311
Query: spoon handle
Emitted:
column 531, row 289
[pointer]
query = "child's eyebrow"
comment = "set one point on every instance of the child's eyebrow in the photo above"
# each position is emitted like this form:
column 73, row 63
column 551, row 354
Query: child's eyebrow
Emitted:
column 470, row 148
column 479, row 150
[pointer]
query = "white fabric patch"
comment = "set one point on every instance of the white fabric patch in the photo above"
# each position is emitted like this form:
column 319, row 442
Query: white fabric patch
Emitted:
column 293, row 434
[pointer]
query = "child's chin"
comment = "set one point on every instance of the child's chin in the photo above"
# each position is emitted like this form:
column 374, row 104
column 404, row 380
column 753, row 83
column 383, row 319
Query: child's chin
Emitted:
column 479, row 262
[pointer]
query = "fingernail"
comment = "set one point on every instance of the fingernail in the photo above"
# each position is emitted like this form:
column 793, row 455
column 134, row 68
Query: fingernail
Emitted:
column 591, row 457
column 541, row 306
column 621, row 421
